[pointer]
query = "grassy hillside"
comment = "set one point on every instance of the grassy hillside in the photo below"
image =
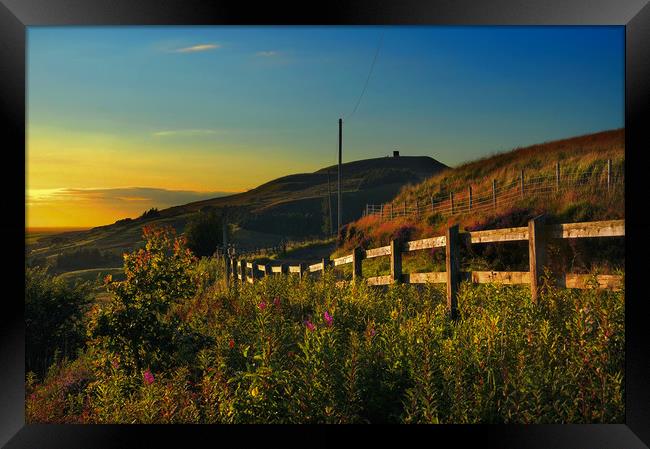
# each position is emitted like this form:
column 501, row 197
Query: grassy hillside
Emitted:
column 293, row 206
column 582, row 156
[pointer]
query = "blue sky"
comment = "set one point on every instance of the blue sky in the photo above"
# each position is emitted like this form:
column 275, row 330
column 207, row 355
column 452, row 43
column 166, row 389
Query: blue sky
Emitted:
column 226, row 108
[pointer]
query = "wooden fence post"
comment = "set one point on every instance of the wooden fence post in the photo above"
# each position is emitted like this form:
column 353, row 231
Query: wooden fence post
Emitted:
column 303, row 270
column 451, row 200
column 226, row 270
column 609, row 174
column 243, row 271
column 395, row 261
column 537, row 236
column 521, row 179
column 405, row 208
column 494, row 193
column 253, row 274
column 357, row 257
column 284, row 268
column 453, row 270
column 557, row 176
column 470, row 197
column 267, row 270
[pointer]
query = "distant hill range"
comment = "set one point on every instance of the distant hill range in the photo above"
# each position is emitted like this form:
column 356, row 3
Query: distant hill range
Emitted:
column 293, row 206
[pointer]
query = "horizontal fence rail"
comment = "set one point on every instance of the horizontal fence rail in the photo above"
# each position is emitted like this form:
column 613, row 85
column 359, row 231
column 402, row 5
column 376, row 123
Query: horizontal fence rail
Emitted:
column 499, row 195
column 537, row 233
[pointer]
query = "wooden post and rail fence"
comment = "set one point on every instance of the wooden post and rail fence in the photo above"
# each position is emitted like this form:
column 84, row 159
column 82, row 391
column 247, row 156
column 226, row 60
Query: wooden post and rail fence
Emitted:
column 524, row 185
column 537, row 234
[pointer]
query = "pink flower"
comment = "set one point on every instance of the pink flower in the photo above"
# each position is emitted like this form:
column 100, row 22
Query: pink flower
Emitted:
column 328, row 319
column 309, row 325
column 372, row 332
column 262, row 305
column 148, row 377
column 115, row 364
column 276, row 302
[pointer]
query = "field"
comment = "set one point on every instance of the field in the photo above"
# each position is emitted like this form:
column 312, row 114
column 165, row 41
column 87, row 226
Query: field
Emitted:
column 290, row 350
column 33, row 235
column 163, row 339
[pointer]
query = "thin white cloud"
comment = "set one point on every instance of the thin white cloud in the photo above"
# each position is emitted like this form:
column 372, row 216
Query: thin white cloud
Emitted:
column 197, row 48
column 185, row 132
column 266, row 54
column 120, row 196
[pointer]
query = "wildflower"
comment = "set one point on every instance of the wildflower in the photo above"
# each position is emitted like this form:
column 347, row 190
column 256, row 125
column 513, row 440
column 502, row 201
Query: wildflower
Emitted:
column 262, row 305
column 393, row 314
column 254, row 391
column 309, row 325
column 148, row 377
column 276, row 302
column 328, row 319
column 231, row 343
column 372, row 332
column 290, row 354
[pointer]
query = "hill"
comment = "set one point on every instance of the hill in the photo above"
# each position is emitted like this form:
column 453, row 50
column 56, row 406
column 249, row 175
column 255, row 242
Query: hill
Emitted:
column 290, row 207
column 583, row 162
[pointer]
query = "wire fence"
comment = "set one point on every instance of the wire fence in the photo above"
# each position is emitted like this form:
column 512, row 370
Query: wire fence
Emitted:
column 501, row 194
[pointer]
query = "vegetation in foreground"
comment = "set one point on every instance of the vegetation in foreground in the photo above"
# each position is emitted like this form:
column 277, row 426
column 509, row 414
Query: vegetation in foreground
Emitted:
column 173, row 345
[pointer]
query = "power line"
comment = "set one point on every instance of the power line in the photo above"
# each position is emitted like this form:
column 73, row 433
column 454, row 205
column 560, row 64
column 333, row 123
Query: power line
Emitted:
column 372, row 66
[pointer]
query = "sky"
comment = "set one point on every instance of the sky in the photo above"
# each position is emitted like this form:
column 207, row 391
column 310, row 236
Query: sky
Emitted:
column 122, row 119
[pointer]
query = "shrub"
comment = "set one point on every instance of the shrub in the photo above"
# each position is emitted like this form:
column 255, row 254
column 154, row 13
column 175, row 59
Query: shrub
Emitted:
column 151, row 213
column 136, row 324
column 204, row 233
column 54, row 318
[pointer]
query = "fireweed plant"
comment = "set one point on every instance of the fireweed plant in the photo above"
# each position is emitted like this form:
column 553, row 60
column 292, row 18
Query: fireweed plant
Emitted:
column 176, row 346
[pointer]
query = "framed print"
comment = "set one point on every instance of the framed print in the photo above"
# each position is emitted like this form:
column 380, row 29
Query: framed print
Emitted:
column 412, row 213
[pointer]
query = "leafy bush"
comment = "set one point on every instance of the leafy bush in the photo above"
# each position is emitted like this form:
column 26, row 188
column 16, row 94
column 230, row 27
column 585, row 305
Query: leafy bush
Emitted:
column 135, row 324
column 204, row 233
column 151, row 213
column 54, row 319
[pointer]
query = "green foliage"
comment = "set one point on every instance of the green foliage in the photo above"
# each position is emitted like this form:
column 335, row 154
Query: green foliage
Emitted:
column 151, row 213
column 299, row 351
column 204, row 233
column 54, row 318
column 136, row 323
column 83, row 258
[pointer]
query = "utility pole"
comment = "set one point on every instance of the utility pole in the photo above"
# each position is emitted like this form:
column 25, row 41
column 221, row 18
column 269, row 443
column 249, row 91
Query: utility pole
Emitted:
column 340, row 208
column 329, row 202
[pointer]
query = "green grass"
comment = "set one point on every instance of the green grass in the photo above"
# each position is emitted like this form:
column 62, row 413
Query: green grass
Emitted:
column 390, row 355
column 95, row 275
column 579, row 155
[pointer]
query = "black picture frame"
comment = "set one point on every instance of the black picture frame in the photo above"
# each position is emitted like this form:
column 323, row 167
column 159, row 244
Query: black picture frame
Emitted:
column 16, row 15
